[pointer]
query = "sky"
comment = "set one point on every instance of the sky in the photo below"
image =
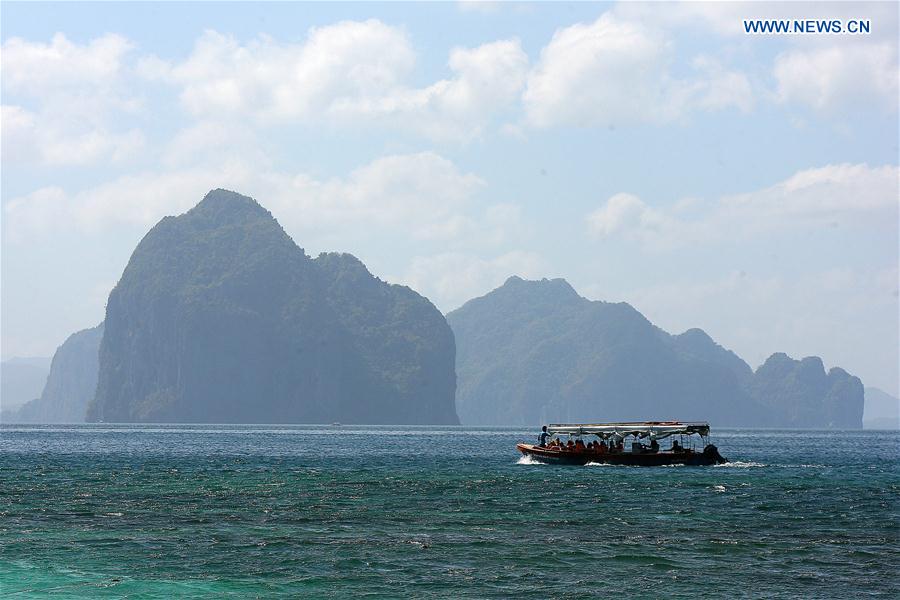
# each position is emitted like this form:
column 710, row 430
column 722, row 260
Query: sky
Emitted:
column 648, row 153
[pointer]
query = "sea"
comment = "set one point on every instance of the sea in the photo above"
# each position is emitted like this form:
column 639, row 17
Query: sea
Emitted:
column 165, row 511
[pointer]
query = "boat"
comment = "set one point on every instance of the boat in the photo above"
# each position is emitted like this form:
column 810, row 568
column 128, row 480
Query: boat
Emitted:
column 610, row 447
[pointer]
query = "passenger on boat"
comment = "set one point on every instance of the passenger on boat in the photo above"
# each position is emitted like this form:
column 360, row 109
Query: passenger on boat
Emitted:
column 544, row 436
column 570, row 445
column 654, row 446
column 676, row 447
column 579, row 445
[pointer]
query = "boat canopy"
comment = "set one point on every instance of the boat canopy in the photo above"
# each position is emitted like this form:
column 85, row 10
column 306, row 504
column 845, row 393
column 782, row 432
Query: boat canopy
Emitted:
column 651, row 429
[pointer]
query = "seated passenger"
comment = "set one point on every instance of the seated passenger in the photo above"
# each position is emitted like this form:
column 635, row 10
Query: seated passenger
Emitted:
column 654, row 446
column 570, row 445
column 676, row 447
column 579, row 444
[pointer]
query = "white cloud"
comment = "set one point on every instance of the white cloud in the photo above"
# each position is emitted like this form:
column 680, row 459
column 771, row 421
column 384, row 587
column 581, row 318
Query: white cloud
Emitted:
column 35, row 68
column 37, row 213
column 834, row 194
column 617, row 71
column 451, row 278
column 210, row 142
column 852, row 77
column 602, row 72
column 290, row 81
column 349, row 71
column 424, row 194
column 29, row 137
column 130, row 200
column 68, row 102
column 852, row 192
column 619, row 68
column 626, row 214
column 487, row 79
column 719, row 88
column 420, row 195
column 479, row 6
column 18, row 127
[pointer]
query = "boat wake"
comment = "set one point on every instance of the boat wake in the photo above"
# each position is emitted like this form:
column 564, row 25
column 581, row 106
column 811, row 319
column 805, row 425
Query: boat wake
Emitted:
column 528, row 460
column 741, row 465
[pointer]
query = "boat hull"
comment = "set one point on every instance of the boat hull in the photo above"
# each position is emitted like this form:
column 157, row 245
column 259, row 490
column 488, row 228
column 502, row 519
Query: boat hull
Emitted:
column 709, row 456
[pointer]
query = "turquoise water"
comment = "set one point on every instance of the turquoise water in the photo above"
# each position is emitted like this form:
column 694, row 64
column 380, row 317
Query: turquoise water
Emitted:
column 163, row 511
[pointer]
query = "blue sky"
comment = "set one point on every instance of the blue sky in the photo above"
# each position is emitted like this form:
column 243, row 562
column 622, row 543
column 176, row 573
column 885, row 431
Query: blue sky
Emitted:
column 651, row 153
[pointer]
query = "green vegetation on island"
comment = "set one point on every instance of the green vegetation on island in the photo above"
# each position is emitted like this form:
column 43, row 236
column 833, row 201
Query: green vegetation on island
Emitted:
column 221, row 317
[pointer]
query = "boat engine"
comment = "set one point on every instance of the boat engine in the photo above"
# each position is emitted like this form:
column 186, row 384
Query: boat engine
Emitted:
column 712, row 453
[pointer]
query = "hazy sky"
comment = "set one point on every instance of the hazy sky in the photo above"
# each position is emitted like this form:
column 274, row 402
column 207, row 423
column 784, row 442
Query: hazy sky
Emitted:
column 656, row 154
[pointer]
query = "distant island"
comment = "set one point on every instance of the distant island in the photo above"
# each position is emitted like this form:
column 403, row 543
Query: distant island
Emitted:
column 882, row 410
column 70, row 384
column 21, row 380
column 535, row 351
column 220, row 317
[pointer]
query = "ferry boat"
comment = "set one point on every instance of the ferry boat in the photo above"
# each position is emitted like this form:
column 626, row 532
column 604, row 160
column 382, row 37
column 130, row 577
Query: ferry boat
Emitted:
column 565, row 444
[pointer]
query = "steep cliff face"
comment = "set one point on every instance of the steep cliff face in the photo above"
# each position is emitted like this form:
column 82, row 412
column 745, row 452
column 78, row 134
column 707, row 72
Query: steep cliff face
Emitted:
column 220, row 317
column 804, row 395
column 535, row 351
column 71, row 383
